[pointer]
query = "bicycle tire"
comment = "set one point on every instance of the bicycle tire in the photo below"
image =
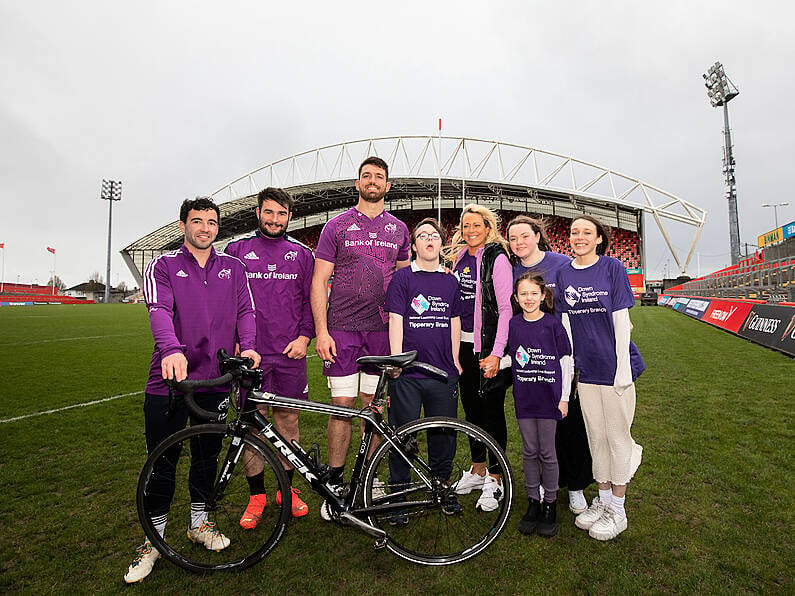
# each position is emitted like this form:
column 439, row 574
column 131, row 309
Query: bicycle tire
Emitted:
column 247, row 547
column 430, row 536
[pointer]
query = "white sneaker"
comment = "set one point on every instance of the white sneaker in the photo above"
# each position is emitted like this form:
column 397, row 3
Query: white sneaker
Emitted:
column 577, row 502
column 608, row 526
column 587, row 518
column 379, row 489
column 143, row 563
column 491, row 496
column 208, row 536
column 469, row 482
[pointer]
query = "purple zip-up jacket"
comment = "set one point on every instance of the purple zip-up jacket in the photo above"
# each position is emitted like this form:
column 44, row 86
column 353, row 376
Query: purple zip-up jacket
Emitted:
column 279, row 273
column 195, row 311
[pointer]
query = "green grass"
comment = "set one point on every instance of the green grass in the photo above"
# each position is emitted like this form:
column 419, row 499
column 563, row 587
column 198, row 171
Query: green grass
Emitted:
column 710, row 510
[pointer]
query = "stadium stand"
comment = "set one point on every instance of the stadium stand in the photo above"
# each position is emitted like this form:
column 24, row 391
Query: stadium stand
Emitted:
column 35, row 294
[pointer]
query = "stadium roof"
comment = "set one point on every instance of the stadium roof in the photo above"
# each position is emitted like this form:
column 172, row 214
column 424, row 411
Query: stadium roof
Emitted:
column 496, row 174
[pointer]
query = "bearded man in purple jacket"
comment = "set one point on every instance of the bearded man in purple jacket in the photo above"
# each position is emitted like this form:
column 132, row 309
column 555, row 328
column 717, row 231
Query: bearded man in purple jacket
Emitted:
column 199, row 301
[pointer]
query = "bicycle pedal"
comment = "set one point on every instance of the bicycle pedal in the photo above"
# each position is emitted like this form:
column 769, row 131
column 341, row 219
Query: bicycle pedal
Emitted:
column 380, row 544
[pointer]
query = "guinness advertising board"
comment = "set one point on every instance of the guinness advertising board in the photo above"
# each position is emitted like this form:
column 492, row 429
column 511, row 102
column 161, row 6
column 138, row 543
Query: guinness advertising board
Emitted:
column 772, row 326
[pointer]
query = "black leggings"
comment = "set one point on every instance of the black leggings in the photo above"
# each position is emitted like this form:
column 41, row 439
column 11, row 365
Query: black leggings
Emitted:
column 162, row 423
column 486, row 411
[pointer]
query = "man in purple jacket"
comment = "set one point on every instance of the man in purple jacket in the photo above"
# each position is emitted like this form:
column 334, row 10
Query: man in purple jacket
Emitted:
column 279, row 270
column 198, row 301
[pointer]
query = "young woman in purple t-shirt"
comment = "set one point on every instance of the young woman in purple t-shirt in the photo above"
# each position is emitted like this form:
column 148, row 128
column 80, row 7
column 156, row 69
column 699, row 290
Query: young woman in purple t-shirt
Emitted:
column 594, row 296
column 529, row 244
column 542, row 370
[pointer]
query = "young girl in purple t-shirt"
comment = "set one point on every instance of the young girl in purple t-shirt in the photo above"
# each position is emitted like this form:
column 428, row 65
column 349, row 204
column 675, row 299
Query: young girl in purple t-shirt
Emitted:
column 542, row 369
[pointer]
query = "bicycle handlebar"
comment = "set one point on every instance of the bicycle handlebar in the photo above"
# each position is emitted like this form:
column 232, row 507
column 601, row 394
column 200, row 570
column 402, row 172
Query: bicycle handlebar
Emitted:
column 188, row 388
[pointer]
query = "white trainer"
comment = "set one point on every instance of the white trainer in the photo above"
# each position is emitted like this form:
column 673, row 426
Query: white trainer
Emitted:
column 142, row 565
column 577, row 502
column 491, row 496
column 587, row 518
column 208, row 536
column 379, row 489
column 469, row 482
column 608, row 526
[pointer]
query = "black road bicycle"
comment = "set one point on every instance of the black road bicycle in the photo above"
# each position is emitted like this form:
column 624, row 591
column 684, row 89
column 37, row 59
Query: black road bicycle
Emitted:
column 413, row 520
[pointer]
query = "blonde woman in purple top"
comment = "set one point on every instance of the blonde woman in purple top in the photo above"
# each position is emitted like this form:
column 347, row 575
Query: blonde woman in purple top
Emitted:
column 594, row 298
column 479, row 252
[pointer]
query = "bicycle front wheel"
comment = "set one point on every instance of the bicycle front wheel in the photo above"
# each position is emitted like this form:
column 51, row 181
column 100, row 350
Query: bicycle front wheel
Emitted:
column 425, row 520
column 200, row 472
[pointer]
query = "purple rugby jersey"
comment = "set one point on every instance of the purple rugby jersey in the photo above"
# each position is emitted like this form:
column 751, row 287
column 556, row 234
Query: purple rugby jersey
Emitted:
column 279, row 273
column 364, row 253
column 547, row 268
column 466, row 272
column 590, row 296
column 536, row 348
column 426, row 301
column 195, row 311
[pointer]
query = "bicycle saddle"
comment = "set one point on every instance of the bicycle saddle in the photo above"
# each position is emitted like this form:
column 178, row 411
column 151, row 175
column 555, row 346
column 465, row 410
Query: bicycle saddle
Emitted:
column 398, row 360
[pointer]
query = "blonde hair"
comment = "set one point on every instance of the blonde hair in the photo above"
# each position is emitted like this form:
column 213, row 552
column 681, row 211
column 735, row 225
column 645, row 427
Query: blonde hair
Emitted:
column 492, row 222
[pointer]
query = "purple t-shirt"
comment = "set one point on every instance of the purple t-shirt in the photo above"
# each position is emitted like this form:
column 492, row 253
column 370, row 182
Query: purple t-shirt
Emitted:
column 467, row 274
column 195, row 311
column 590, row 296
column 547, row 268
column 426, row 301
column 279, row 271
column 536, row 348
column 364, row 252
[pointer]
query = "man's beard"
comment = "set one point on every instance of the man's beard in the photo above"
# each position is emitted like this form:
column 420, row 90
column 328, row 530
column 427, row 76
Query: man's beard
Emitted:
column 374, row 199
column 265, row 232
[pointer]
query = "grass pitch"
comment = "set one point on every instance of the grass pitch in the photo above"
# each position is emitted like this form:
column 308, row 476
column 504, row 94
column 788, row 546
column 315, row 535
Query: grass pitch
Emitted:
column 710, row 510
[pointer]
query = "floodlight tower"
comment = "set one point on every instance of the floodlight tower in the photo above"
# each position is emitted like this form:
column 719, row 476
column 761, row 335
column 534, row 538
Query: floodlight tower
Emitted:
column 111, row 191
column 720, row 91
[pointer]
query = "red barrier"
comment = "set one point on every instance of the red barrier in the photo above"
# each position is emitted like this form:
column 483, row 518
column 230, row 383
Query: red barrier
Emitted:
column 727, row 315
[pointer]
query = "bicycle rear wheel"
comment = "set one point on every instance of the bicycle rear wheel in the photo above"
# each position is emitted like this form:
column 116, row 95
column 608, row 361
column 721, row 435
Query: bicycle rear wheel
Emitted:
column 429, row 527
column 207, row 466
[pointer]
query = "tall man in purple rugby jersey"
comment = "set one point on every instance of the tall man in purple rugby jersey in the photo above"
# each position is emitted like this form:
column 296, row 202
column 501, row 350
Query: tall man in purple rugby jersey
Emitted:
column 279, row 270
column 198, row 301
column 362, row 248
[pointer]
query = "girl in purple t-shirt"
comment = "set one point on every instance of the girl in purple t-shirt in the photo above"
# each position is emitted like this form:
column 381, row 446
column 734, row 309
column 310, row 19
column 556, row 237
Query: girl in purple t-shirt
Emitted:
column 529, row 244
column 542, row 370
column 594, row 296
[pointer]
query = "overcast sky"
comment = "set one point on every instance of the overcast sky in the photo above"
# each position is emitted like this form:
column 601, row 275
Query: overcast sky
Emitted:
column 178, row 98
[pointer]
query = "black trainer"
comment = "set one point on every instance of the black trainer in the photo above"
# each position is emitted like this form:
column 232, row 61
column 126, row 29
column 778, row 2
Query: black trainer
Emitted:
column 548, row 524
column 527, row 525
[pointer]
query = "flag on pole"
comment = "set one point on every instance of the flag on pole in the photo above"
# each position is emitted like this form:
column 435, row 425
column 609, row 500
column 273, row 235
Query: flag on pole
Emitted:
column 51, row 249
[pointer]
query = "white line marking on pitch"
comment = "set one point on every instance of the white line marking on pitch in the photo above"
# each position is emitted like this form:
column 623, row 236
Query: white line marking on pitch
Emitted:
column 48, row 341
column 56, row 410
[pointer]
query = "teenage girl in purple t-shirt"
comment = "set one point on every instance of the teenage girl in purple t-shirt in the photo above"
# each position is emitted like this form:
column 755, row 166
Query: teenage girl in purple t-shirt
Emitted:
column 530, row 245
column 594, row 297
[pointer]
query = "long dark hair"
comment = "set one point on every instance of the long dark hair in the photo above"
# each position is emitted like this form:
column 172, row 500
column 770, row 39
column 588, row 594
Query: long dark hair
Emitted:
column 536, row 225
column 602, row 230
column 548, row 300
